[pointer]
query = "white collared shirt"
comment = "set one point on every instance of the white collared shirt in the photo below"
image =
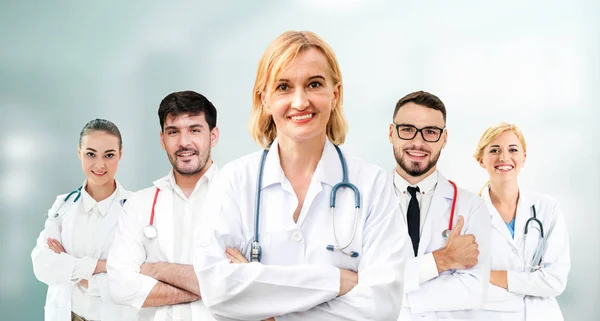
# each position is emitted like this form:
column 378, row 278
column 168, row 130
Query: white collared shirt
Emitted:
column 87, row 224
column 184, row 209
column 424, row 197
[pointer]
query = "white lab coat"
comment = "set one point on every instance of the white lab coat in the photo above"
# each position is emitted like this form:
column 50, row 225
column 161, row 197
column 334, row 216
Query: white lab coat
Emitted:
column 56, row 269
column 298, row 279
column 131, row 249
column 454, row 294
column 531, row 296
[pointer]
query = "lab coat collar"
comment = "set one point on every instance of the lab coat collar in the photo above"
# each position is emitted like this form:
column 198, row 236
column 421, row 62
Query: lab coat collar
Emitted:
column 104, row 205
column 328, row 171
column 523, row 214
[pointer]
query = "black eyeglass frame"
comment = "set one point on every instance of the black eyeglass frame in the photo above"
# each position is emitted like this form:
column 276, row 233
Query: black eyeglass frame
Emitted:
column 419, row 130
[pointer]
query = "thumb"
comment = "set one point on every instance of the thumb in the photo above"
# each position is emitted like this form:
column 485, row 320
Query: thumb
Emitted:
column 458, row 227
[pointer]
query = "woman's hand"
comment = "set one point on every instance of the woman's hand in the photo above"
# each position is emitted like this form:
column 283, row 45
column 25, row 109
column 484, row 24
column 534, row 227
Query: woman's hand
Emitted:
column 235, row 256
column 55, row 246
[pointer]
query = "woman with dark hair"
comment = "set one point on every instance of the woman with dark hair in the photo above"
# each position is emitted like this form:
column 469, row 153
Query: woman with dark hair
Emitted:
column 70, row 254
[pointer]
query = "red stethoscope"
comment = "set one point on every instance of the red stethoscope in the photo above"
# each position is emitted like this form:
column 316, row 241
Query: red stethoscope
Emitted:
column 446, row 233
column 150, row 231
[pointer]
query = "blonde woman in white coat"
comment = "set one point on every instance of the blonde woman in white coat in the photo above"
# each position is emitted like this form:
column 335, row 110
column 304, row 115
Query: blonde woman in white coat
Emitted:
column 528, row 271
column 70, row 254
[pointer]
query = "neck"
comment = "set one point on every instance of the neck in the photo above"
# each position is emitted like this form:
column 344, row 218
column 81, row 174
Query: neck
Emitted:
column 300, row 158
column 187, row 183
column 101, row 192
column 413, row 180
column 504, row 193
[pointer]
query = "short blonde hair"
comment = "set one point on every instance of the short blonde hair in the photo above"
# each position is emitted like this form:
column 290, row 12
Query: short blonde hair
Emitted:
column 279, row 55
column 494, row 132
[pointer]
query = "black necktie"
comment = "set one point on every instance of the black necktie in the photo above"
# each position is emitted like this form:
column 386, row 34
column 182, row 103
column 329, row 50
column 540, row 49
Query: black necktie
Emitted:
column 413, row 218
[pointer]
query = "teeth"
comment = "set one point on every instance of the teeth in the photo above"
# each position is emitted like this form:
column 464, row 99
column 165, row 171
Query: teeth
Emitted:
column 416, row 154
column 303, row 117
column 186, row 154
column 504, row 167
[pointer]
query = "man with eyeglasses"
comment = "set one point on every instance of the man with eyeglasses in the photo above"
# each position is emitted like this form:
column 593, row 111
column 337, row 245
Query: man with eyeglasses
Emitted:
column 448, row 275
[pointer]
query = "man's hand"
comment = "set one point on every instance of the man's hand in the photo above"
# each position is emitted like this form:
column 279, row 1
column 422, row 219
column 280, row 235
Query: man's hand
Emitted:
column 235, row 256
column 150, row 269
column 460, row 251
column 83, row 283
column 348, row 280
column 55, row 246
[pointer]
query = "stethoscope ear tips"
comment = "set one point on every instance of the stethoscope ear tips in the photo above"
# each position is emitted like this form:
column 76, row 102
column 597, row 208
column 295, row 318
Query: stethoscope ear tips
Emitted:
column 330, row 248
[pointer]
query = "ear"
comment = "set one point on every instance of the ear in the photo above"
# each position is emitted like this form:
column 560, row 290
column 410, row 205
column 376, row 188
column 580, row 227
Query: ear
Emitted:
column 481, row 163
column 524, row 159
column 391, row 133
column 336, row 94
column 120, row 153
column 79, row 152
column 214, row 136
column 444, row 138
column 162, row 140
column 265, row 106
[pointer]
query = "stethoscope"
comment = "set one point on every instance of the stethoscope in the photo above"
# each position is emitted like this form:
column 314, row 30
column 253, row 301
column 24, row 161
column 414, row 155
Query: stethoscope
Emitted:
column 256, row 251
column 537, row 255
column 77, row 194
column 150, row 231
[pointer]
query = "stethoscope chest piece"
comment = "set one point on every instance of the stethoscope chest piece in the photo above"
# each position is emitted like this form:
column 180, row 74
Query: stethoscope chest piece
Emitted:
column 150, row 232
column 446, row 234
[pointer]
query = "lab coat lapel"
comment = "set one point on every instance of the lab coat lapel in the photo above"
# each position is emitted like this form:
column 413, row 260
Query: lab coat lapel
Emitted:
column 67, row 226
column 440, row 204
column 497, row 221
column 163, row 219
column 523, row 214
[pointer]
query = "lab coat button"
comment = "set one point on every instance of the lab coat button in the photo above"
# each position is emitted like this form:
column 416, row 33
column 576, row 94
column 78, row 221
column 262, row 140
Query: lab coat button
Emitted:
column 297, row 236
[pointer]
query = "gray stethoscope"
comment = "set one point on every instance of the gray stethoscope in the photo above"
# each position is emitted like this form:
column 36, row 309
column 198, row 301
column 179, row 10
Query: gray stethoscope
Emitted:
column 537, row 256
column 58, row 212
column 256, row 252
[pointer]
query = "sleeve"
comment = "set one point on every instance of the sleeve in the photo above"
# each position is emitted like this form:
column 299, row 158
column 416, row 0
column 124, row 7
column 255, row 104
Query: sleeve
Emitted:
column 459, row 289
column 378, row 294
column 501, row 300
column 248, row 291
column 52, row 268
column 551, row 279
column 127, row 286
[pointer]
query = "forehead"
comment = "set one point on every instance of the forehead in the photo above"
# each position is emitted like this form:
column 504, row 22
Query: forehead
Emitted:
column 100, row 140
column 506, row 138
column 419, row 116
column 308, row 63
column 185, row 120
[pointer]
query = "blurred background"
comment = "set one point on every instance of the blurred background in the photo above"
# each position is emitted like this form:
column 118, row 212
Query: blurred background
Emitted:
column 63, row 63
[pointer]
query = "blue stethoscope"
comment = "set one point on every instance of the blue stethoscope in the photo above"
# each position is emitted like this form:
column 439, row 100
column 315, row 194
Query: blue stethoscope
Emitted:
column 256, row 252
column 58, row 212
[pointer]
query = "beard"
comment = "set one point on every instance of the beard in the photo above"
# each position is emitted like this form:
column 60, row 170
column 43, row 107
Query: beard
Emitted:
column 202, row 161
column 413, row 168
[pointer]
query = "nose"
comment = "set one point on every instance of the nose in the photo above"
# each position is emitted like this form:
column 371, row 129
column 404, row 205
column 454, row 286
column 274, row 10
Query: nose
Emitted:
column 503, row 156
column 184, row 139
column 300, row 99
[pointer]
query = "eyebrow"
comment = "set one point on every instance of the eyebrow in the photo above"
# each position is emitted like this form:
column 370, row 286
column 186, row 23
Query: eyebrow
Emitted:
column 309, row 78
column 106, row 151
column 511, row 145
column 191, row 126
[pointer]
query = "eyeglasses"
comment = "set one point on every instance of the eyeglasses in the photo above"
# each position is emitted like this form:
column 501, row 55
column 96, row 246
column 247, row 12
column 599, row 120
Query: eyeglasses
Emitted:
column 430, row 134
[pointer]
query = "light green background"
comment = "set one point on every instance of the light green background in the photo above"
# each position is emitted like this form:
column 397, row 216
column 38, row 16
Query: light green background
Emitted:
column 63, row 63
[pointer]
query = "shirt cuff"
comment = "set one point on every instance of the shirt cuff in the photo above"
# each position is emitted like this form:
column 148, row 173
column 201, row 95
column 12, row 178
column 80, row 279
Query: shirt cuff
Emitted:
column 83, row 269
column 427, row 268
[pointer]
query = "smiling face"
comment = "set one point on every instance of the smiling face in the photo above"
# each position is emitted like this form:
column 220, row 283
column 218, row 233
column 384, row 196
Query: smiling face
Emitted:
column 100, row 154
column 503, row 158
column 417, row 158
column 302, row 98
column 188, row 141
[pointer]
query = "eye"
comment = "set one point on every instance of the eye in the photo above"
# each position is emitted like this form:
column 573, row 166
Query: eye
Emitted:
column 407, row 129
column 90, row 154
column 315, row 84
column 109, row 155
column 430, row 131
column 195, row 130
column 493, row 151
column 283, row 87
column 513, row 150
column 171, row 132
